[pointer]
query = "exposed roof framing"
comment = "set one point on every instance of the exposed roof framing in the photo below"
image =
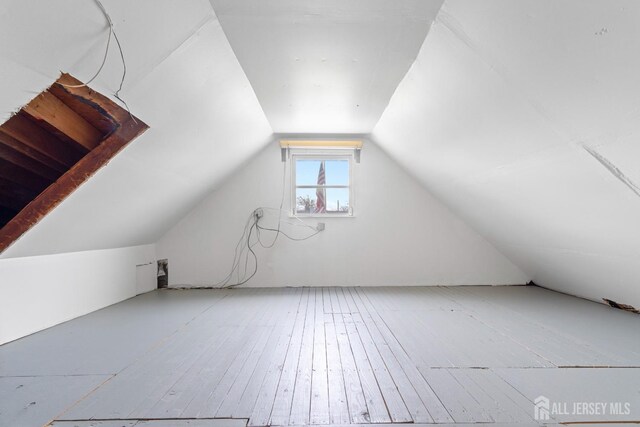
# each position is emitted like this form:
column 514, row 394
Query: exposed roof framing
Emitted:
column 53, row 145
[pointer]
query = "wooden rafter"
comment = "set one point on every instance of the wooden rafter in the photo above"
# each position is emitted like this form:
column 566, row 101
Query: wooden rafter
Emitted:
column 97, row 109
column 36, row 155
column 21, row 128
column 68, row 182
column 52, row 146
column 27, row 162
column 23, row 177
column 50, row 111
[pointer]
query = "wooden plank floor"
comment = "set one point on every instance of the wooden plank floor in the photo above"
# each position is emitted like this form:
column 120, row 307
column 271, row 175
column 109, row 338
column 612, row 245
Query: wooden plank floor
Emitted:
column 326, row 356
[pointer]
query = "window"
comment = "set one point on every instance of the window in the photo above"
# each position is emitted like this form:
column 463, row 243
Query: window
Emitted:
column 322, row 183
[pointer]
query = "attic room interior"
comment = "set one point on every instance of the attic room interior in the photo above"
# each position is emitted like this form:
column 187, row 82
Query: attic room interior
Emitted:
column 245, row 213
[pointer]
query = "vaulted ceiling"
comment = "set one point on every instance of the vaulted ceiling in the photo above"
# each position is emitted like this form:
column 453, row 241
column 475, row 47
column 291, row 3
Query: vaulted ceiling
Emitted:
column 325, row 66
column 521, row 116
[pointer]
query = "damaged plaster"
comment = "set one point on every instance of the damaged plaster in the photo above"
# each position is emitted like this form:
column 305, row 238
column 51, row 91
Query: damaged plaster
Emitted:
column 613, row 169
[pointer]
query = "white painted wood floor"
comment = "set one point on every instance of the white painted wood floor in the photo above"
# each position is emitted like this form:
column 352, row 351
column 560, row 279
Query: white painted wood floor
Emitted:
column 319, row 356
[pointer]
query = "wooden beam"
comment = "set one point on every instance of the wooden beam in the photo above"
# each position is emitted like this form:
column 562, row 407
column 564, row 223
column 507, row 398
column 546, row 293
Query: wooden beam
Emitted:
column 23, row 129
column 100, row 111
column 88, row 96
column 25, row 162
column 328, row 143
column 22, row 177
column 49, row 109
column 17, row 146
column 70, row 181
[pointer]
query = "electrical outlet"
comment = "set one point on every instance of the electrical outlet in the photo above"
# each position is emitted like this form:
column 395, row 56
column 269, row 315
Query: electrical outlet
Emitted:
column 258, row 213
column 320, row 226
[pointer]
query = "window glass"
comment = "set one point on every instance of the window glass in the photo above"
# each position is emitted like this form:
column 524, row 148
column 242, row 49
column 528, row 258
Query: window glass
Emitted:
column 322, row 185
column 305, row 200
column 307, row 171
column 337, row 200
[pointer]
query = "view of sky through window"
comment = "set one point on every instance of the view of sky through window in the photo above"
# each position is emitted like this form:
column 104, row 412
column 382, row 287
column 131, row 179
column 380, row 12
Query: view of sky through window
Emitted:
column 336, row 173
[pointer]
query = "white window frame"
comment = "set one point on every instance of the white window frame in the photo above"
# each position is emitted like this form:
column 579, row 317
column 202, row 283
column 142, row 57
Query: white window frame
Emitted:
column 321, row 154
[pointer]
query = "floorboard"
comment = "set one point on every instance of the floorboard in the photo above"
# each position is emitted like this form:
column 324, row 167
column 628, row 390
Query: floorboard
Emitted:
column 328, row 356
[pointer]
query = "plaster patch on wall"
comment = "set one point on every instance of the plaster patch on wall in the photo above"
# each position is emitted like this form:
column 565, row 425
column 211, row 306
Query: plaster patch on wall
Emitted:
column 613, row 169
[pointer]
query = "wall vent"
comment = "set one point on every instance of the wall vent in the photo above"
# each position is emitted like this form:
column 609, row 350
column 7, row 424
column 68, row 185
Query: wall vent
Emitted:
column 51, row 146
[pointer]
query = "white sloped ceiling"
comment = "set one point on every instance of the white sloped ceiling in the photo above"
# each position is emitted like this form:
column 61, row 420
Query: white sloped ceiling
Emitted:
column 182, row 79
column 523, row 117
column 326, row 66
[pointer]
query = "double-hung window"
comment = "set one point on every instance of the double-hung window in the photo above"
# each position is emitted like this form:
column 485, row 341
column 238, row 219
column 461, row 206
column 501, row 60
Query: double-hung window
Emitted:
column 322, row 183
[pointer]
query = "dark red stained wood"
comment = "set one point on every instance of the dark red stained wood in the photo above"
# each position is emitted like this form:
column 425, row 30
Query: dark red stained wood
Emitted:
column 52, row 113
column 97, row 109
column 28, row 132
column 22, row 177
column 36, row 155
column 70, row 181
column 27, row 163
column 90, row 97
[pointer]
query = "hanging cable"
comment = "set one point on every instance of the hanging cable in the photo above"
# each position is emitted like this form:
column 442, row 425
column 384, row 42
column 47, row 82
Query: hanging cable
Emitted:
column 275, row 239
column 112, row 32
column 286, row 235
column 106, row 51
column 244, row 251
column 124, row 71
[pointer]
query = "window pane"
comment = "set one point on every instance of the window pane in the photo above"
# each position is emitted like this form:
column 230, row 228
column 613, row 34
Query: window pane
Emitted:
column 307, row 172
column 337, row 200
column 305, row 200
column 337, row 172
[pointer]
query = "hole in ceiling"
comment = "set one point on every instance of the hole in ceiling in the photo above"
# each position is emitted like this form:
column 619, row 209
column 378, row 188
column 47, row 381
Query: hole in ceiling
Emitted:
column 51, row 146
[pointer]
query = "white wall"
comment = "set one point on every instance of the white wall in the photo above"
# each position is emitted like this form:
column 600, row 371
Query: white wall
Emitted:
column 492, row 119
column 400, row 235
column 42, row 291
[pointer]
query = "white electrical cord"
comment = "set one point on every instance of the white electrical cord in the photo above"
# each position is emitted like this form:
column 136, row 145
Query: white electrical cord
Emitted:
column 112, row 32
column 244, row 246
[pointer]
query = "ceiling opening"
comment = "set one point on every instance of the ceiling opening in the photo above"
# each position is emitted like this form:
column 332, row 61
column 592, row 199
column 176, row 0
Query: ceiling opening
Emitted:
column 51, row 146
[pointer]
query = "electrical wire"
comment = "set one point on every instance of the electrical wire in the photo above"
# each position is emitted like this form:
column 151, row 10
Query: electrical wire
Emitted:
column 104, row 61
column 298, row 223
column 112, row 32
column 124, row 72
column 255, row 259
column 236, row 256
column 244, row 246
column 244, row 252
column 296, row 239
column 106, row 51
column 284, row 180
